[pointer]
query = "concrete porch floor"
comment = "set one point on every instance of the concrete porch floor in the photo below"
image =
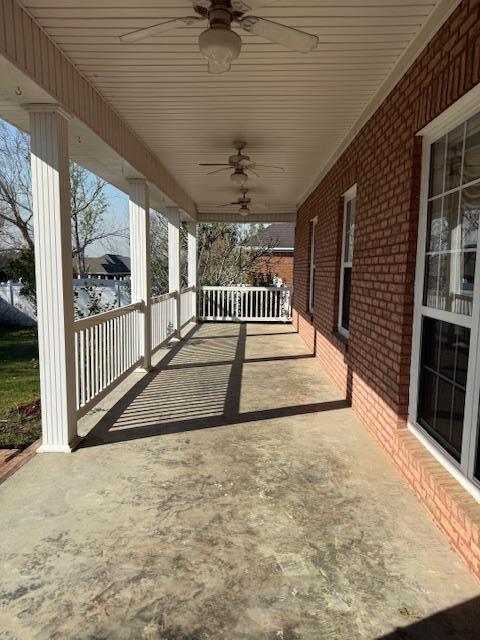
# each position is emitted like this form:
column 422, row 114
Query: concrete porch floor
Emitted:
column 230, row 495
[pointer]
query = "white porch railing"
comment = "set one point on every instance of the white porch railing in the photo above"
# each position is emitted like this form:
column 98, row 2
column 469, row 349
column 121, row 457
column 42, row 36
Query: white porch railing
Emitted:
column 107, row 349
column 188, row 303
column 248, row 304
column 164, row 318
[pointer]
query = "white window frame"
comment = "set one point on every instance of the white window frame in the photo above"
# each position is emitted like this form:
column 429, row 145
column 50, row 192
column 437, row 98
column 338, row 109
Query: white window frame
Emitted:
column 463, row 471
column 348, row 196
column 313, row 266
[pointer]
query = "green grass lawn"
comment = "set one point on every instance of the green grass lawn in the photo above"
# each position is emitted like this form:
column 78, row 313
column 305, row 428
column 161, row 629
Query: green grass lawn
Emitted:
column 19, row 386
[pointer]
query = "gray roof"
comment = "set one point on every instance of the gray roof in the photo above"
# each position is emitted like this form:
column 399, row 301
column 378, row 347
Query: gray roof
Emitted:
column 109, row 264
column 280, row 235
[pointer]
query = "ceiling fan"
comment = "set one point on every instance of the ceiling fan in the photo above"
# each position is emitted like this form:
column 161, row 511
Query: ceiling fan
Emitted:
column 241, row 164
column 244, row 203
column 218, row 43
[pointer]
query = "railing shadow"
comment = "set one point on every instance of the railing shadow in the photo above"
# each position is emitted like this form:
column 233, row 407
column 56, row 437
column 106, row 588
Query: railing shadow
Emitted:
column 197, row 385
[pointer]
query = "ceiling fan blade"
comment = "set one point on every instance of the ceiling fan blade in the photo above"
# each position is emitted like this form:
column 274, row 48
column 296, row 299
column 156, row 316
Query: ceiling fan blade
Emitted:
column 213, row 164
column 218, row 171
column 203, row 4
column 281, row 34
column 229, row 204
column 162, row 27
column 217, row 69
column 270, row 166
column 247, row 5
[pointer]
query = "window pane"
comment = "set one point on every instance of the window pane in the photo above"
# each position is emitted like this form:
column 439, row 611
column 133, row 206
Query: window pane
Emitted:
column 451, row 254
column 450, row 223
column 347, row 283
column 432, row 346
column 461, row 363
column 430, row 294
column 469, row 216
column 444, row 409
column 349, row 230
column 427, row 400
column 437, row 162
column 453, row 168
column 448, row 348
column 434, row 224
column 441, row 401
column 457, row 420
column 471, row 166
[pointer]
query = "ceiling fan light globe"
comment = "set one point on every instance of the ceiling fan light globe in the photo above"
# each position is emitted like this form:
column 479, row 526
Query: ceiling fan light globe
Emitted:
column 244, row 211
column 220, row 45
column 239, row 178
column 217, row 69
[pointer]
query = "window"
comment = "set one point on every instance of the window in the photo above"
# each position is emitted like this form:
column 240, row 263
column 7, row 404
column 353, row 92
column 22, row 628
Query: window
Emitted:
column 311, row 290
column 347, row 257
column 445, row 389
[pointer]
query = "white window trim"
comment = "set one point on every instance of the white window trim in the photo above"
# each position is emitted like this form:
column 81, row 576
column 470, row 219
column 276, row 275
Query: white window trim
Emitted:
column 313, row 266
column 463, row 472
column 348, row 196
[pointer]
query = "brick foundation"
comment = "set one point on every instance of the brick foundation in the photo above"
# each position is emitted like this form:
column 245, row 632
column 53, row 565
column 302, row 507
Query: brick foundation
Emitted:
column 372, row 368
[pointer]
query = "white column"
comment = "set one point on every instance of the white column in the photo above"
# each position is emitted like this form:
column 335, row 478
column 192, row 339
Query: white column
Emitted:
column 173, row 215
column 192, row 265
column 54, row 275
column 140, row 261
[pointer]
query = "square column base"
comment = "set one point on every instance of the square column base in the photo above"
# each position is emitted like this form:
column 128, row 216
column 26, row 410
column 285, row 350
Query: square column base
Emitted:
column 60, row 448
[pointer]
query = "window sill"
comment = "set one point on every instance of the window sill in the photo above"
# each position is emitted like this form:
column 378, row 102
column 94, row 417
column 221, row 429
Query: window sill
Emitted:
column 342, row 339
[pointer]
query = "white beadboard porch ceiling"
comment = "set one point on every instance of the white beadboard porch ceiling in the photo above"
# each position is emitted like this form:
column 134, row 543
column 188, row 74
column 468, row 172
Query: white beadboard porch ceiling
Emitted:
column 293, row 110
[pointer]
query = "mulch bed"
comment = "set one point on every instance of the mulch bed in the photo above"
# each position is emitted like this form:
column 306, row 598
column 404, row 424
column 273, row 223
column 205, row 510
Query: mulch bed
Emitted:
column 19, row 438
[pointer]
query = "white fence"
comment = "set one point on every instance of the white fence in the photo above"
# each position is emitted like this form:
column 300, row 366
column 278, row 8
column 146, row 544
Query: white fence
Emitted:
column 164, row 318
column 245, row 304
column 107, row 349
column 15, row 308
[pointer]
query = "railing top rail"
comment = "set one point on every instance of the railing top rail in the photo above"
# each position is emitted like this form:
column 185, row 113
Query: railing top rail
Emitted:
column 189, row 290
column 99, row 318
column 164, row 297
column 246, row 288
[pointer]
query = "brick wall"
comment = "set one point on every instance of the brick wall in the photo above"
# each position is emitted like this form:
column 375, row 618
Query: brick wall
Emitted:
column 384, row 160
column 280, row 264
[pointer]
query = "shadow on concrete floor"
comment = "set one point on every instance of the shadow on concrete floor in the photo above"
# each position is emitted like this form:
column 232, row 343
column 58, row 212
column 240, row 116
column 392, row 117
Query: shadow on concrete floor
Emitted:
column 197, row 385
column 461, row 622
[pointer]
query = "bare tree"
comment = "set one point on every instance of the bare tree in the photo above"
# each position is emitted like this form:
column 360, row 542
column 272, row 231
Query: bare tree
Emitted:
column 15, row 188
column 88, row 205
column 159, row 246
column 88, row 201
column 226, row 255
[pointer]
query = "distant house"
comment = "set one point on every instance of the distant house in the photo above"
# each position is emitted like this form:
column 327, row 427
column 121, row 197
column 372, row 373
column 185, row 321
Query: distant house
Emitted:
column 110, row 266
column 278, row 260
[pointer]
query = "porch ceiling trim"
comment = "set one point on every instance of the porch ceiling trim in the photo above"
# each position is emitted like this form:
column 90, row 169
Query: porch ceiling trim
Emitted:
column 252, row 218
column 33, row 53
column 437, row 18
